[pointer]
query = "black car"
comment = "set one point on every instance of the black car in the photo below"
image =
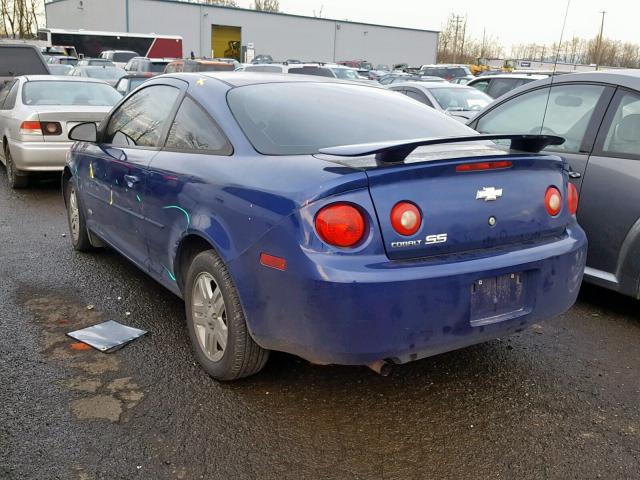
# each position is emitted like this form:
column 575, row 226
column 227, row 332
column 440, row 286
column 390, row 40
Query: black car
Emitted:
column 20, row 59
column 598, row 114
column 448, row 72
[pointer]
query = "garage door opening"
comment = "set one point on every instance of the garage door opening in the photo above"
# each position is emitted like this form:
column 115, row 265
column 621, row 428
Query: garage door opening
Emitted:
column 225, row 41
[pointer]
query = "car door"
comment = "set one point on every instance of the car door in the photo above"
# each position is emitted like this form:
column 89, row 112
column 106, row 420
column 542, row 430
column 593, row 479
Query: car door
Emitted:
column 609, row 208
column 176, row 189
column 130, row 138
column 9, row 115
column 5, row 113
column 571, row 110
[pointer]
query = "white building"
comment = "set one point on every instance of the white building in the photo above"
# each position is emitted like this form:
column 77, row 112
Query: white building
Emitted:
column 208, row 30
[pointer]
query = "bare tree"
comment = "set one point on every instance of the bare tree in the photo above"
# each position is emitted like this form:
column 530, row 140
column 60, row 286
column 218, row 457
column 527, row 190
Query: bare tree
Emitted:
column 266, row 5
column 20, row 18
column 461, row 47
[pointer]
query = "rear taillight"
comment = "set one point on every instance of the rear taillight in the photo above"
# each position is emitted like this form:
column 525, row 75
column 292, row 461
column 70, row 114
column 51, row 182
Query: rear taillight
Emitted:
column 51, row 128
column 340, row 224
column 572, row 200
column 405, row 218
column 40, row 128
column 30, row 128
column 553, row 201
column 481, row 166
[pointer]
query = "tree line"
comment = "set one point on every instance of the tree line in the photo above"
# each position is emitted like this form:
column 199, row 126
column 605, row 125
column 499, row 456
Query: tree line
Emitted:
column 456, row 45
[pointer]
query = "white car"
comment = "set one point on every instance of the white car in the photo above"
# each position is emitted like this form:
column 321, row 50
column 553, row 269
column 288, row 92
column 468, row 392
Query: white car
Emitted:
column 36, row 114
column 119, row 57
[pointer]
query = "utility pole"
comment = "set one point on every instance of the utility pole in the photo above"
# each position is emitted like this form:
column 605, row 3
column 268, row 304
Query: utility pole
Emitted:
column 599, row 51
column 458, row 20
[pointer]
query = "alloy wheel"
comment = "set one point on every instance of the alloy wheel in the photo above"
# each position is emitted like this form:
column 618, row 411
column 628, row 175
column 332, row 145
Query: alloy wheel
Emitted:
column 209, row 317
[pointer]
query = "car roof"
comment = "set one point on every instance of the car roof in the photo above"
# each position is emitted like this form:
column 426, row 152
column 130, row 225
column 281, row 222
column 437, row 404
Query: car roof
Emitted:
column 517, row 76
column 63, row 78
column 431, row 85
column 239, row 79
column 623, row 77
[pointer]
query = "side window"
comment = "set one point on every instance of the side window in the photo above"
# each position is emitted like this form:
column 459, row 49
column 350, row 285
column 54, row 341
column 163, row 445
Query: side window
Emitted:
column 568, row 114
column 417, row 96
column 500, row 86
column 4, row 92
column 193, row 129
column 10, row 101
column 623, row 137
column 481, row 85
column 141, row 119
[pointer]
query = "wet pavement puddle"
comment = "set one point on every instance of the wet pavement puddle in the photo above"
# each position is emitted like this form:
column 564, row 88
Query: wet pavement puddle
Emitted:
column 100, row 392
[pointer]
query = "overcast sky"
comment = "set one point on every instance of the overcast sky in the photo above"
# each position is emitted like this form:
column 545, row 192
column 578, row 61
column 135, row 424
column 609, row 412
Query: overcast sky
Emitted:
column 512, row 22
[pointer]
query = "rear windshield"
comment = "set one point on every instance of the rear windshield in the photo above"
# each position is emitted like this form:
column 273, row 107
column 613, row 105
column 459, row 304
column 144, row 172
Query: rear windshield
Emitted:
column 208, row 67
column 301, row 118
column 122, row 57
column 105, row 73
column 157, row 67
column 320, row 72
column 263, row 68
column 16, row 61
column 69, row 93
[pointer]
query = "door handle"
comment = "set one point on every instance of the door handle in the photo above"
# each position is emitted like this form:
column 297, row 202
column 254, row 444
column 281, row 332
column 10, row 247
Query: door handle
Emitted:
column 131, row 180
column 575, row 174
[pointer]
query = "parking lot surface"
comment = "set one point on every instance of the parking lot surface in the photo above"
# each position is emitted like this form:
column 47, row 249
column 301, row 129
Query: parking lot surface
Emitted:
column 561, row 400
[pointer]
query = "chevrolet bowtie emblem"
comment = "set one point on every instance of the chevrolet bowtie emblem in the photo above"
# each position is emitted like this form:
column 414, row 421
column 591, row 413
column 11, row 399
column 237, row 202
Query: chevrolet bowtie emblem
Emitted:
column 489, row 194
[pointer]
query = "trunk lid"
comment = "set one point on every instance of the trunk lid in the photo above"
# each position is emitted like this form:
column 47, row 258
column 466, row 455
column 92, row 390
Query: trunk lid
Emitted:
column 69, row 117
column 457, row 206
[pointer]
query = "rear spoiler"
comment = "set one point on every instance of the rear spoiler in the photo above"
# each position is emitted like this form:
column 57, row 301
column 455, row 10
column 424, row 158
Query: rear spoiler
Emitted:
column 397, row 151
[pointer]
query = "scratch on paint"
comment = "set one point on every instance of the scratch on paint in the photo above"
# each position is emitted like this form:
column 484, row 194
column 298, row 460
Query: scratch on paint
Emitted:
column 111, row 198
column 91, row 169
column 186, row 214
column 138, row 197
column 171, row 275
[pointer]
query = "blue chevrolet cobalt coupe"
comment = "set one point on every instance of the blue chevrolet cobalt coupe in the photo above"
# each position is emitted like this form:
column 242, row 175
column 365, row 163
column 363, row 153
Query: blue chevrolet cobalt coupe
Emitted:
column 339, row 222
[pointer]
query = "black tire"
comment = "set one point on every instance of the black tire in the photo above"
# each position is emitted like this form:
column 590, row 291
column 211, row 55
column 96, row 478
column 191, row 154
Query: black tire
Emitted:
column 80, row 236
column 16, row 178
column 241, row 357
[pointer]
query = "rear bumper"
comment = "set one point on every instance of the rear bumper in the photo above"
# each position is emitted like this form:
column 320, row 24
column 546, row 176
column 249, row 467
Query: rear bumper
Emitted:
column 39, row 156
column 359, row 309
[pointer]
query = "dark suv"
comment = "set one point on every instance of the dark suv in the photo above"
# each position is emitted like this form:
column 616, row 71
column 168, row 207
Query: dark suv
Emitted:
column 448, row 72
column 20, row 59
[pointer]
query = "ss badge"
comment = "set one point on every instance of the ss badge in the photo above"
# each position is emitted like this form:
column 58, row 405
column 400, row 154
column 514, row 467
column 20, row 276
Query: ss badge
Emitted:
column 434, row 239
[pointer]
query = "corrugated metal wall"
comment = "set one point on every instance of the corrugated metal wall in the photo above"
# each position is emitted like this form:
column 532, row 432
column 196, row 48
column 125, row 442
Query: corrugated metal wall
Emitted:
column 282, row 36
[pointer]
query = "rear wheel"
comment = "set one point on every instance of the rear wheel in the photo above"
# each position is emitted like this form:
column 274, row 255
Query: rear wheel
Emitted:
column 216, row 322
column 17, row 179
column 75, row 216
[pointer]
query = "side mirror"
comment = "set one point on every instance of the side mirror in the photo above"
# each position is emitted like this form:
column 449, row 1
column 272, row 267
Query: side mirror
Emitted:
column 84, row 132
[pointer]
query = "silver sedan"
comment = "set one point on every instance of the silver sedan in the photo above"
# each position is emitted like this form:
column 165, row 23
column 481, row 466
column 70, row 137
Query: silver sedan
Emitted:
column 36, row 114
column 458, row 101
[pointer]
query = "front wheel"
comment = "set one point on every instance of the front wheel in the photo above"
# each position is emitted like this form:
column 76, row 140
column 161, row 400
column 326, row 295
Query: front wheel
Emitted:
column 216, row 322
column 75, row 216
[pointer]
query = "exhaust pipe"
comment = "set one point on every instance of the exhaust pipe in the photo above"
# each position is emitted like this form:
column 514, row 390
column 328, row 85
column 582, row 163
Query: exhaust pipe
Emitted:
column 381, row 367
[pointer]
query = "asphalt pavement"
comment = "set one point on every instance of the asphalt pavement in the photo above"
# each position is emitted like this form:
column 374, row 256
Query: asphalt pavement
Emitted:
column 559, row 401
